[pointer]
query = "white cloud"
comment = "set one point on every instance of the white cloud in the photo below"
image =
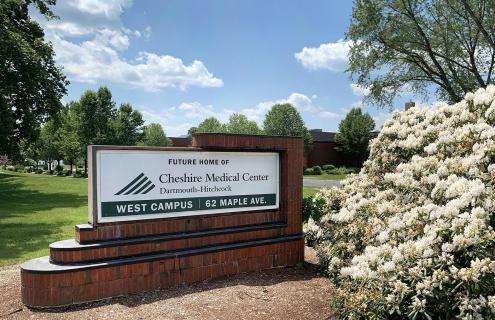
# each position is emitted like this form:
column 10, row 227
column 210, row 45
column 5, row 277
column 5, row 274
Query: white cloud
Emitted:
column 115, row 39
column 195, row 110
column 300, row 101
column 328, row 114
column 147, row 32
column 100, row 59
column 164, row 118
column 331, row 56
column 67, row 28
column 189, row 114
column 359, row 90
column 110, row 9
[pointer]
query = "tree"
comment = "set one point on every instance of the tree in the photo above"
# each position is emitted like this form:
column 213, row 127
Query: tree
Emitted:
column 127, row 126
column 155, row 136
column 31, row 150
column 70, row 146
column 417, row 45
column 240, row 124
column 355, row 132
column 50, row 142
column 31, row 85
column 285, row 120
column 192, row 131
column 94, row 112
column 211, row 125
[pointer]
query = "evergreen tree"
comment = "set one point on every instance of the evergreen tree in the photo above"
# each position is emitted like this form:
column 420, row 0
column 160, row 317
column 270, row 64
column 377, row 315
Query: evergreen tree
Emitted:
column 355, row 133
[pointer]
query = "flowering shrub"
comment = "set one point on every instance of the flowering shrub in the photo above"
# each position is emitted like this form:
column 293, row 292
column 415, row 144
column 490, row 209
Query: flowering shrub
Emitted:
column 411, row 235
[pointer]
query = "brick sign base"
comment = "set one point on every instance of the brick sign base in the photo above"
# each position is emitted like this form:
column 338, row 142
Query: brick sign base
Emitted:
column 112, row 259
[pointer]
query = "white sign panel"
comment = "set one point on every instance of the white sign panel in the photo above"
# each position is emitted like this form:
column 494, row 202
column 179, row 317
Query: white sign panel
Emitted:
column 150, row 184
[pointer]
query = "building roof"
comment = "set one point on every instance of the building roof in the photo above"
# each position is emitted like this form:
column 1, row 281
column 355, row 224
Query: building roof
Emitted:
column 319, row 135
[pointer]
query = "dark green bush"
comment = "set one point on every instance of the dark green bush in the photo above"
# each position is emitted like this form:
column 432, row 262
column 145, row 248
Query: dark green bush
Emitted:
column 308, row 172
column 345, row 170
column 317, row 170
column 313, row 208
column 328, row 167
column 79, row 174
column 341, row 170
column 29, row 163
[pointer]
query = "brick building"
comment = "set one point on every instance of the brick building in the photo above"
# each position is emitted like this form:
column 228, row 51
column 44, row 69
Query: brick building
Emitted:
column 181, row 141
column 324, row 151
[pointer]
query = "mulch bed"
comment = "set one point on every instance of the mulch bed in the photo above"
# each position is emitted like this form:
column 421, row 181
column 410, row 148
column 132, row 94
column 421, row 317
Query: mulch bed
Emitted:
column 285, row 293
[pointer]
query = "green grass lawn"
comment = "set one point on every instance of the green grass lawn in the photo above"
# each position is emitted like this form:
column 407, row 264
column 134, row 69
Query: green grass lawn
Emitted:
column 36, row 210
column 327, row 177
column 310, row 191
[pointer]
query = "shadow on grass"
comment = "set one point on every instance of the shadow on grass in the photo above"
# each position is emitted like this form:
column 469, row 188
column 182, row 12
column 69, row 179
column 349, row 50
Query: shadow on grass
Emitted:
column 29, row 219
column 19, row 239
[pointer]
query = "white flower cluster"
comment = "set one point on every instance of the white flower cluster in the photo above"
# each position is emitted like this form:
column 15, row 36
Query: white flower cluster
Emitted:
column 415, row 226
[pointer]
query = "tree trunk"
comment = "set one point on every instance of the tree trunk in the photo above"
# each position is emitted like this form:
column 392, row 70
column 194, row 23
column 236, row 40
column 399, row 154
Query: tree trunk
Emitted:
column 71, row 166
column 85, row 166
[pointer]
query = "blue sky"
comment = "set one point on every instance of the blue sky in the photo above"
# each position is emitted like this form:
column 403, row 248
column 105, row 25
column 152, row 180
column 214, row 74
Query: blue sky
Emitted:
column 179, row 62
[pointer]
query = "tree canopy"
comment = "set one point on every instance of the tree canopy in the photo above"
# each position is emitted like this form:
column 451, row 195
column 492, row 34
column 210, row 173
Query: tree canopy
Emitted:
column 417, row 45
column 240, row 124
column 155, row 136
column 127, row 126
column 355, row 132
column 237, row 124
column 94, row 113
column 31, row 85
column 95, row 119
column 50, row 141
column 211, row 125
column 285, row 120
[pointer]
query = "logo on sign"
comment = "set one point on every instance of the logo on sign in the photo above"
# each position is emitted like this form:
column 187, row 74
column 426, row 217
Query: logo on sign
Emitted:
column 140, row 185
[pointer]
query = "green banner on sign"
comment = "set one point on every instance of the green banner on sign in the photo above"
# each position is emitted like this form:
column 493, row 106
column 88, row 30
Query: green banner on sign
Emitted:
column 145, row 207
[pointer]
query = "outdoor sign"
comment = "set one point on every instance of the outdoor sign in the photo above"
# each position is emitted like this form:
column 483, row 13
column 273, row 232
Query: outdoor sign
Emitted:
column 150, row 184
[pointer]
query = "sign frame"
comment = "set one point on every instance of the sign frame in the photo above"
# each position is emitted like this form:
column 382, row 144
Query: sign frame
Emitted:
column 94, row 214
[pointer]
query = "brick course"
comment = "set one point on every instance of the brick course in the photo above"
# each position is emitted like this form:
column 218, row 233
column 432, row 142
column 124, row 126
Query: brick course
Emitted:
column 58, row 289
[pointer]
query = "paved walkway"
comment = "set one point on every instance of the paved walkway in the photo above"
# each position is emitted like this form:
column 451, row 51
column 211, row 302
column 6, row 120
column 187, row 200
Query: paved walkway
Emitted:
column 321, row 183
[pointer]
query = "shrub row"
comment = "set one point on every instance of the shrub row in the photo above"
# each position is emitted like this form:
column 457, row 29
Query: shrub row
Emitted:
column 329, row 169
column 58, row 171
